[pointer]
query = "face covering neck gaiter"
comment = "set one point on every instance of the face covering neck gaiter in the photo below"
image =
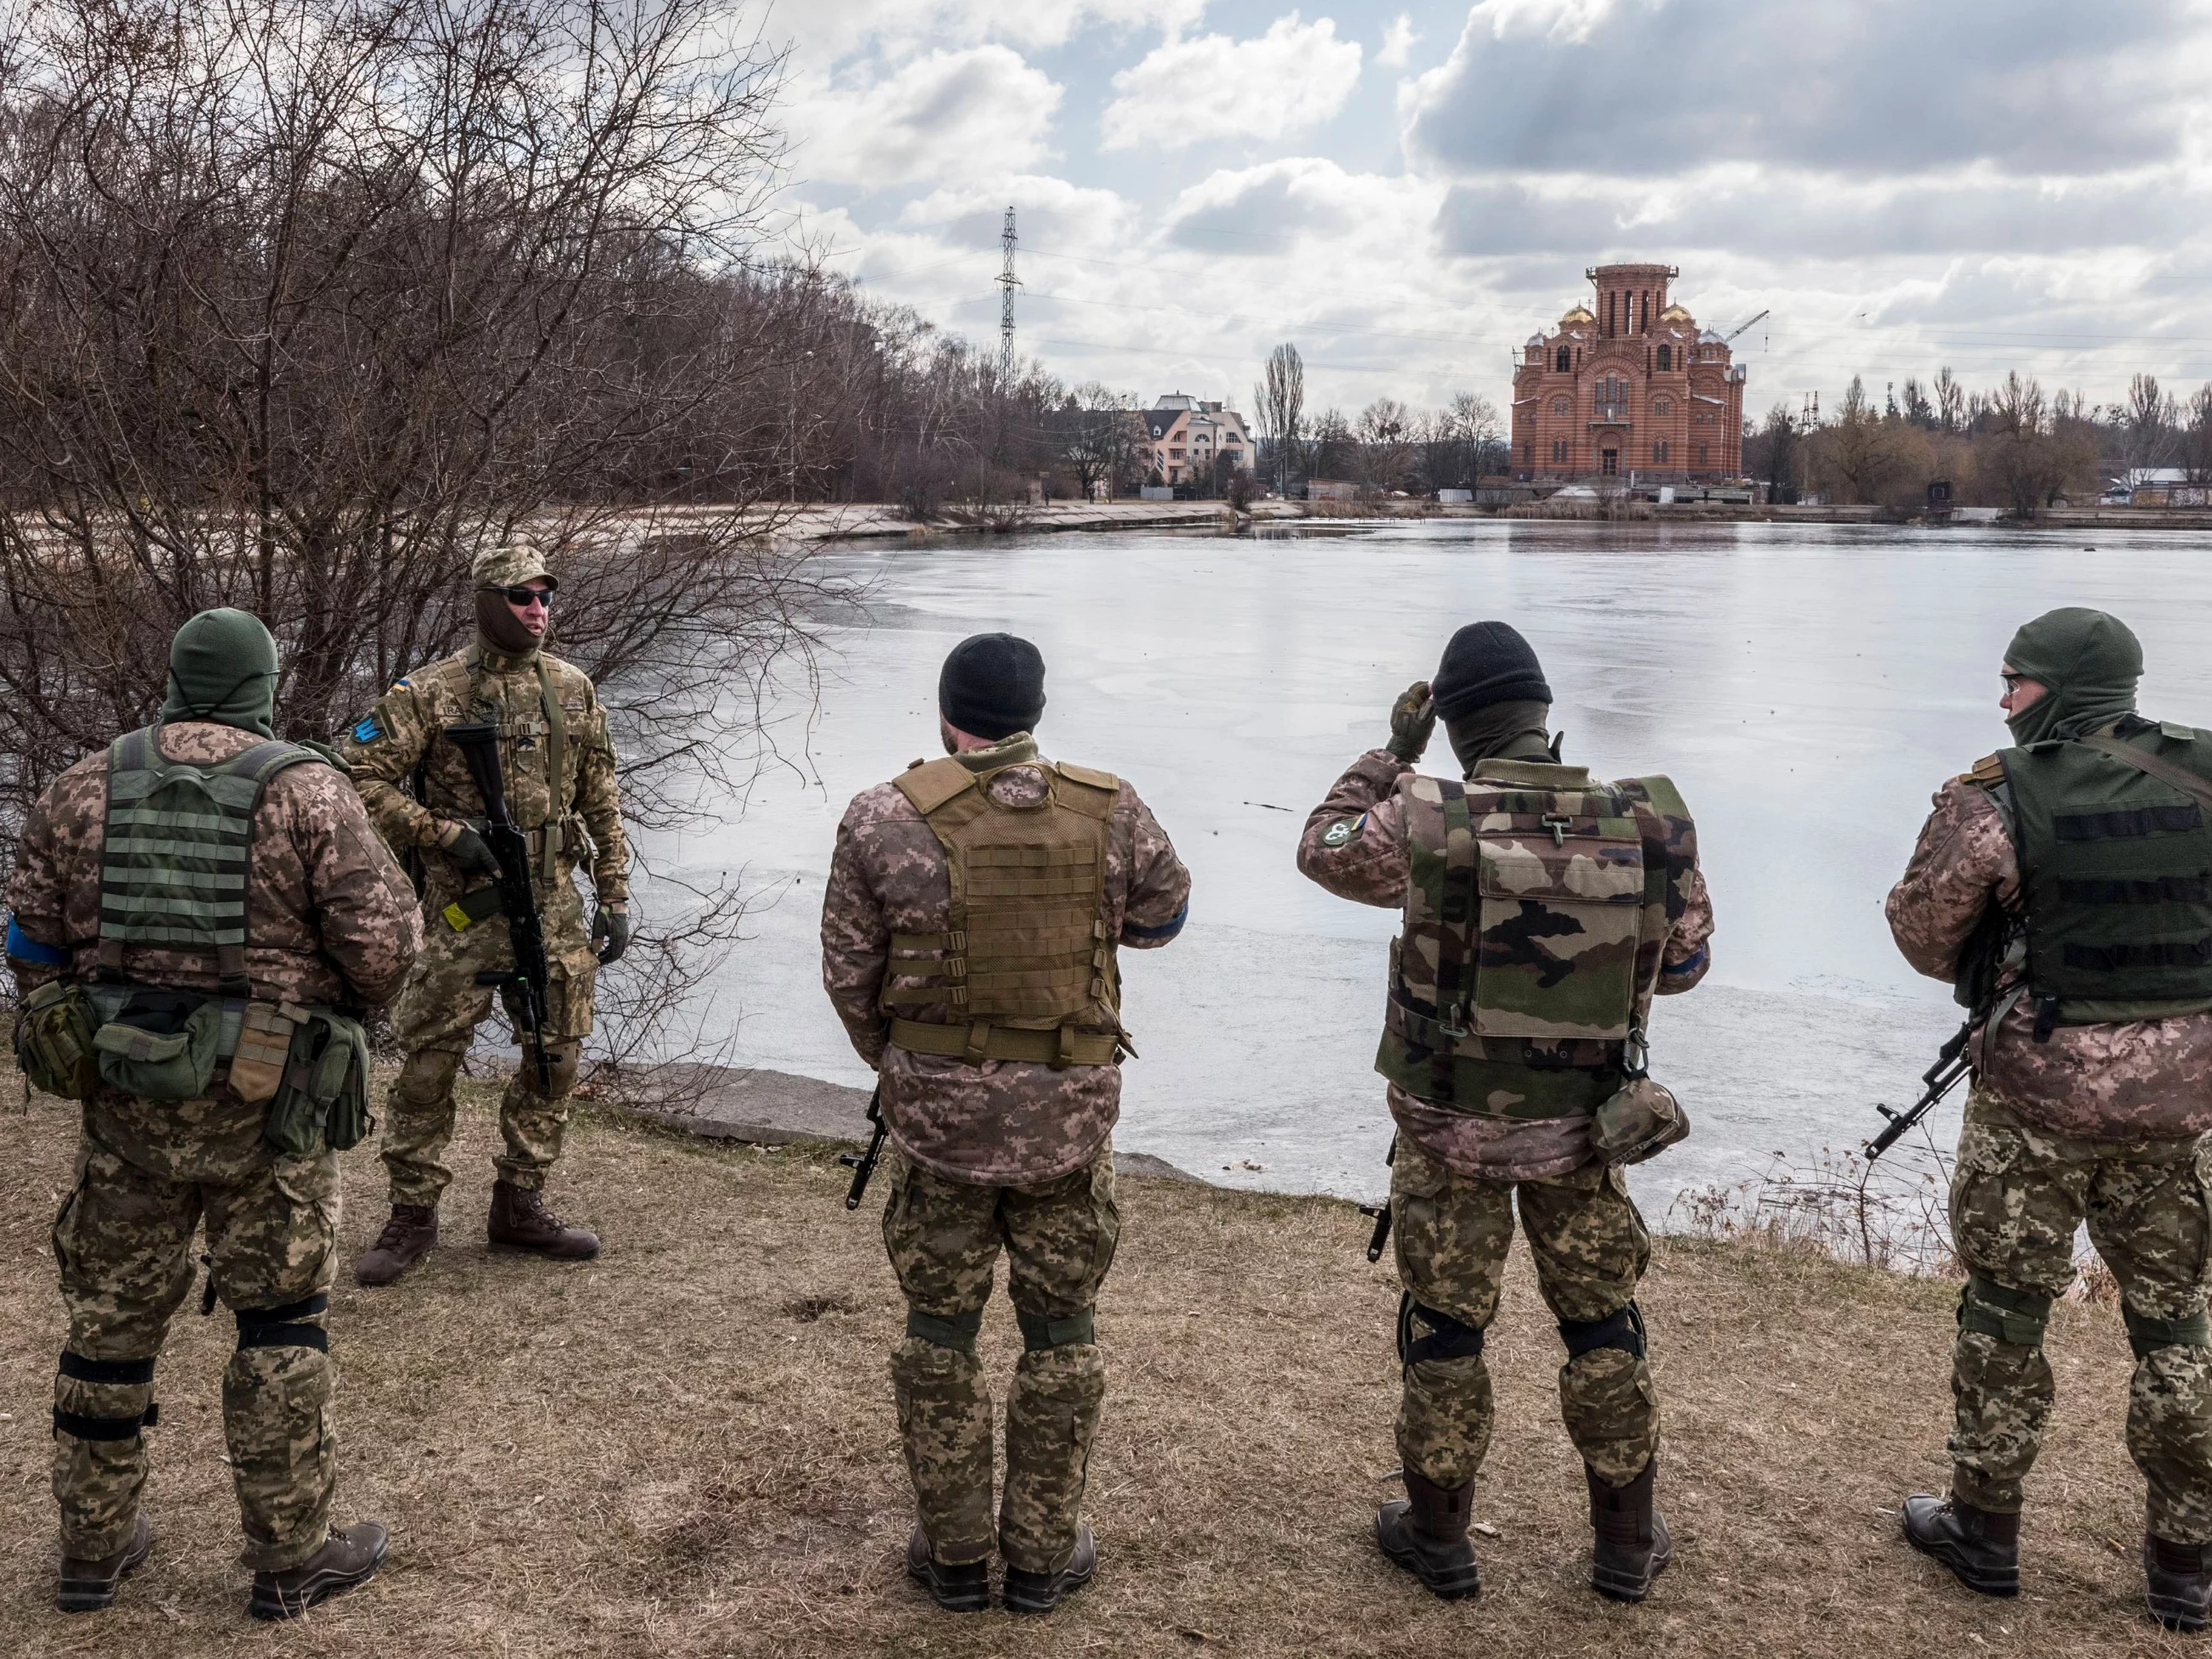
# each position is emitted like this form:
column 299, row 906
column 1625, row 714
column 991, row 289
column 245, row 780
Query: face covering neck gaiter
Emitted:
column 2090, row 663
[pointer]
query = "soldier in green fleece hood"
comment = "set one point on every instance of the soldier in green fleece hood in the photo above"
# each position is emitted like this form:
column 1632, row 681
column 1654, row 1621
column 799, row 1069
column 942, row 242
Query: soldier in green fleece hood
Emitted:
column 223, row 666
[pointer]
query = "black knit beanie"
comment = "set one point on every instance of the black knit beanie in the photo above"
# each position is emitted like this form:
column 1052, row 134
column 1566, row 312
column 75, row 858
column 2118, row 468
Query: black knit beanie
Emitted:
column 1486, row 662
column 992, row 686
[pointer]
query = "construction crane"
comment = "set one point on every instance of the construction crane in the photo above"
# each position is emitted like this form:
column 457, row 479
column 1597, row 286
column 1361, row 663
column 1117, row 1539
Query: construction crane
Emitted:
column 1745, row 329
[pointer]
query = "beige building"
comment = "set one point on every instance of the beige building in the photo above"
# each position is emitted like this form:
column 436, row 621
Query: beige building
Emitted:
column 1185, row 435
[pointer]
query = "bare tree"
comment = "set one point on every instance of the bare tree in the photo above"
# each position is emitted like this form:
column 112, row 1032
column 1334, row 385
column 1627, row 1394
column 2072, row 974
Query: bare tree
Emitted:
column 2149, row 423
column 1097, row 430
column 1280, row 401
column 2029, row 468
column 1385, row 432
column 2196, row 437
column 1950, row 401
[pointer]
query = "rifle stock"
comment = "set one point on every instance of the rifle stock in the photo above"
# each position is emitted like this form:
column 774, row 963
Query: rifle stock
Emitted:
column 1381, row 1212
column 532, row 978
column 863, row 1164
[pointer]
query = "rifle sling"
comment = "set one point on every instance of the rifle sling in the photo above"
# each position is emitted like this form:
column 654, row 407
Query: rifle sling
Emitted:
column 2197, row 788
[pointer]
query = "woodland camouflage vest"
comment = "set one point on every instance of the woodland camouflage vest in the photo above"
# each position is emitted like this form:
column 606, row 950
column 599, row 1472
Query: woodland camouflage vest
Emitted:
column 1537, row 908
column 2116, row 871
column 1027, row 964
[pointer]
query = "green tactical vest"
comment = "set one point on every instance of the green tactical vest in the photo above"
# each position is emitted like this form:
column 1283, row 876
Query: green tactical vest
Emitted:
column 2116, row 872
column 176, row 850
column 1538, row 908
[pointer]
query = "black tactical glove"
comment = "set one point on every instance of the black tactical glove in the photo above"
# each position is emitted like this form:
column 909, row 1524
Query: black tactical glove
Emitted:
column 1413, row 718
column 471, row 856
column 613, row 927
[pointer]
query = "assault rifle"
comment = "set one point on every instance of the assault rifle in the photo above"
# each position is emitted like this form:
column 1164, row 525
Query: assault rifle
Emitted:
column 1951, row 1066
column 1980, row 961
column 863, row 1164
column 1381, row 1212
column 530, row 978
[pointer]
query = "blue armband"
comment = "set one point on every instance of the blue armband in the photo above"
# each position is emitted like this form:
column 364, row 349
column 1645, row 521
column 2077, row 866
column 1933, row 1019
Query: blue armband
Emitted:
column 24, row 948
column 1167, row 929
column 1688, row 964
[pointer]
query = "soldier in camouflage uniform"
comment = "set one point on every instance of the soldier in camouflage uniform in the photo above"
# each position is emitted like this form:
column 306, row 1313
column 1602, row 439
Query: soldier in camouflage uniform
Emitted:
column 2088, row 845
column 992, row 1014
column 559, row 764
column 329, row 922
column 1543, row 909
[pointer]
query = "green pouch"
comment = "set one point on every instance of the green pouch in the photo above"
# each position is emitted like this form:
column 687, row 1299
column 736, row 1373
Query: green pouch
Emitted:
column 1639, row 1120
column 146, row 1060
column 323, row 1101
column 53, row 1041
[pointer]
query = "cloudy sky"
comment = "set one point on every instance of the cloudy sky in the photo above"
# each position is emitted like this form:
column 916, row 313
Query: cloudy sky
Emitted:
column 1408, row 192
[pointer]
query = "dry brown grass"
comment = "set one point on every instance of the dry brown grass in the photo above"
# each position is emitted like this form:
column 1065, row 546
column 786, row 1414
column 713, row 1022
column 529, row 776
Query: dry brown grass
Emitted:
column 688, row 1446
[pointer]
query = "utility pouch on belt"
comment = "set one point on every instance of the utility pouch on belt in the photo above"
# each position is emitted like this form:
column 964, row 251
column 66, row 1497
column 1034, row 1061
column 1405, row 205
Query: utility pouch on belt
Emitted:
column 161, row 1045
column 264, row 1041
column 53, row 1041
column 1641, row 1119
column 323, row 1100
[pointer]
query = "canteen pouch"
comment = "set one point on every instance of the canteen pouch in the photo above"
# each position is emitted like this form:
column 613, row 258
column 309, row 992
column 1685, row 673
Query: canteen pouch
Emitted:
column 53, row 1041
column 161, row 1045
column 264, row 1043
column 323, row 1101
column 1639, row 1120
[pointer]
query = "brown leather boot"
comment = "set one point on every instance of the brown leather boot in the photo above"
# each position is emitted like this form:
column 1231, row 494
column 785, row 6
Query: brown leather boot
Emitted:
column 1982, row 1548
column 1632, row 1547
column 1425, row 1533
column 2180, row 1581
column 349, row 1557
column 405, row 1240
column 521, row 1221
column 88, row 1586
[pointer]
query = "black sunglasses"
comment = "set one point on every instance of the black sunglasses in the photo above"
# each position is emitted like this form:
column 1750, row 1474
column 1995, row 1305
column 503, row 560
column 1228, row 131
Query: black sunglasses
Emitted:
column 520, row 597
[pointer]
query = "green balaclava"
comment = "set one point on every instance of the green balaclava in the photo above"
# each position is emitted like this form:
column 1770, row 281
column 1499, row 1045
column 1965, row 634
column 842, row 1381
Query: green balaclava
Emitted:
column 223, row 666
column 2090, row 662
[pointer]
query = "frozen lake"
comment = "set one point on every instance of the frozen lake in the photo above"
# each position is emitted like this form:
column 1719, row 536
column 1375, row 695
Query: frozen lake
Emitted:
column 1808, row 687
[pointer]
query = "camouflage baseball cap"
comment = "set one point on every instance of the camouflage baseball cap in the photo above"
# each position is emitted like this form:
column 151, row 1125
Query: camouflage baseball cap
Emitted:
column 510, row 565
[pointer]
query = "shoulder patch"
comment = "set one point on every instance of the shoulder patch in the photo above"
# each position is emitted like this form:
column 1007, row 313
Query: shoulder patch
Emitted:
column 1342, row 832
column 371, row 728
column 1987, row 772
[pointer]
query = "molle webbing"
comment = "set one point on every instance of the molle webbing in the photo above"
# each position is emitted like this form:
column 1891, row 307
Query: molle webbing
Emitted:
column 177, row 849
column 1026, row 967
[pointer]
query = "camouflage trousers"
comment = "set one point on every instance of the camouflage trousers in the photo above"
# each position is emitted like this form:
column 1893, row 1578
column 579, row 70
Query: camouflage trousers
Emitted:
column 1590, row 1248
column 435, row 1020
column 943, row 1238
column 150, row 1173
column 2016, row 1200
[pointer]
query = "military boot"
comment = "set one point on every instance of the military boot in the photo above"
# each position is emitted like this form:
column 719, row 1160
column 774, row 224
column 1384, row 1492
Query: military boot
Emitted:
column 2180, row 1578
column 405, row 1240
column 1425, row 1533
column 1041, row 1592
column 88, row 1586
column 521, row 1221
column 956, row 1586
column 1981, row 1548
column 349, row 1557
column 1632, row 1547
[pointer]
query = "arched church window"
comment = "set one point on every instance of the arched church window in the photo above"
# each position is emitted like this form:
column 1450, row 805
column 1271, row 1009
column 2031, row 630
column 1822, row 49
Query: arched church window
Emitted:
column 1566, row 362
column 1562, row 407
column 1663, row 406
column 1666, row 358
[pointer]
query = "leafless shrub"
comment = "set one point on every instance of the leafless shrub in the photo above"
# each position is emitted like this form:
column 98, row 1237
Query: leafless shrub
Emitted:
column 1886, row 1214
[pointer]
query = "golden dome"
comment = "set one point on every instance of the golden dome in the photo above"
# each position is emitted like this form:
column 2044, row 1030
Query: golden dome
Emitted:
column 1674, row 314
column 1579, row 314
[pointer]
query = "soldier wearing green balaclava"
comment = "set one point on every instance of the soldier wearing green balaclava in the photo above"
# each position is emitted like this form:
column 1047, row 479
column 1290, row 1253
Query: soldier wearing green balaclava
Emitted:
column 2065, row 884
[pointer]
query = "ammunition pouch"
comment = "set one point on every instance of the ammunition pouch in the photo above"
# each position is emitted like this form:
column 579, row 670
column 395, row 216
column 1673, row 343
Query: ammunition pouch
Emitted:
column 1639, row 1120
column 323, row 1099
column 293, row 1325
column 1038, row 1331
column 2146, row 1335
column 1622, row 1328
column 959, row 1334
column 159, row 1045
column 1448, row 1338
column 53, row 1041
column 2009, row 1316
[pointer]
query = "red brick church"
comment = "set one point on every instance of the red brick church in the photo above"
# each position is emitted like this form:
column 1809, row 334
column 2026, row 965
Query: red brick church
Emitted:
column 1631, row 388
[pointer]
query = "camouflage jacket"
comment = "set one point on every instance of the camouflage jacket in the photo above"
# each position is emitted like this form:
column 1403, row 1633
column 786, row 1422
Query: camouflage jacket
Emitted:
column 1003, row 1122
column 330, row 917
column 1355, row 845
column 404, row 731
column 2146, row 1080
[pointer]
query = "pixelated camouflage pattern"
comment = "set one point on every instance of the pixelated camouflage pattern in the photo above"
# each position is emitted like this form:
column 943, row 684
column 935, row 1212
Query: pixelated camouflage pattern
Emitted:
column 943, row 1239
column 149, row 1174
column 2135, row 1080
column 419, row 1124
column 1355, row 844
column 1003, row 1122
column 1590, row 1248
column 2018, row 1196
column 483, row 683
column 330, row 917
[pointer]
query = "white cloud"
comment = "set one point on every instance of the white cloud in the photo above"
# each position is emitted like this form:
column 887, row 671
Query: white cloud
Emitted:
column 981, row 112
column 1398, row 42
column 827, row 29
column 1295, row 76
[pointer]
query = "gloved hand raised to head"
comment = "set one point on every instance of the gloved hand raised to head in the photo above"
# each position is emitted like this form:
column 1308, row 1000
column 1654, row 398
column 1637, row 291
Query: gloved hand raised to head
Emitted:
column 470, row 852
column 1412, row 718
column 613, row 927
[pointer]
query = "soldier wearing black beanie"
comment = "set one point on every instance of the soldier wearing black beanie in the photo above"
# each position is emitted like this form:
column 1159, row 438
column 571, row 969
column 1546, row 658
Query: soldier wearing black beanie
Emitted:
column 992, row 686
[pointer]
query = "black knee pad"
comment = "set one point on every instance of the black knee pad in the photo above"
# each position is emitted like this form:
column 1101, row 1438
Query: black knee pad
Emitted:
column 293, row 1325
column 959, row 1334
column 1997, row 1310
column 2147, row 1335
column 1448, row 1338
column 130, row 1373
column 1622, row 1328
column 564, row 1062
column 1038, row 1331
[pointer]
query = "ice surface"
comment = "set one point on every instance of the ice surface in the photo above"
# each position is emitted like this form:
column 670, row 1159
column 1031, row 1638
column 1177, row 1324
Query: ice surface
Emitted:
column 1807, row 687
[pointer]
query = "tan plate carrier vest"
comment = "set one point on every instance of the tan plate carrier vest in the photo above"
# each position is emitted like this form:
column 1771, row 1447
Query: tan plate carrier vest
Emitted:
column 1027, row 965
